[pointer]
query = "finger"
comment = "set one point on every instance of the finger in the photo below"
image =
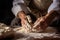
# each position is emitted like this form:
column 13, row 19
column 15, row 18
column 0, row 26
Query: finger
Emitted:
column 37, row 22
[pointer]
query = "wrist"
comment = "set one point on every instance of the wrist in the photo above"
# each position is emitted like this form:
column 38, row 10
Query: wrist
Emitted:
column 44, row 19
column 21, row 15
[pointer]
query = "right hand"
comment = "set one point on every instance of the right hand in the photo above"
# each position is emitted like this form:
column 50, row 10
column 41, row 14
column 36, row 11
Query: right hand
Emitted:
column 22, row 16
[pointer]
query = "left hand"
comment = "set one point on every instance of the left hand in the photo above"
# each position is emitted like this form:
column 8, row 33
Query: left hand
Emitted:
column 40, row 23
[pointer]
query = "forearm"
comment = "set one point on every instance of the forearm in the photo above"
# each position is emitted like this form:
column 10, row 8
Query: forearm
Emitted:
column 53, row 11
column 50, row 16
column 19, row 6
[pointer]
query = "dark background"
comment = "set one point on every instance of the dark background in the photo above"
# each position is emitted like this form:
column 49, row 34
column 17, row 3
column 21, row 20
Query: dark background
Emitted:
column 5, row 11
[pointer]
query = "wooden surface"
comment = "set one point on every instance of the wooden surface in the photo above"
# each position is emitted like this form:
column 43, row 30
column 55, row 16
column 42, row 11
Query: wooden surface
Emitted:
column 37, row 36
column 18, row 35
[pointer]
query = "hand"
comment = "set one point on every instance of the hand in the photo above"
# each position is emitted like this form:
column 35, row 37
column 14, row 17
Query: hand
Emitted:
column 23, row 23
column 22, row 16
column 40, row 23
